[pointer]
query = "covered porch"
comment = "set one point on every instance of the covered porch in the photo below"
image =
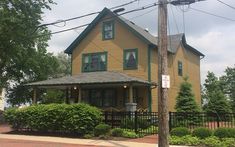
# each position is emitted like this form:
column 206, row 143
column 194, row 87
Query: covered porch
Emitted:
column 110, row 91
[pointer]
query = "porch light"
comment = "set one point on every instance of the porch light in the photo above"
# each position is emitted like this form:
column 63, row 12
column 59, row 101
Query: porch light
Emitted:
column 125, row 86
column 75, row 87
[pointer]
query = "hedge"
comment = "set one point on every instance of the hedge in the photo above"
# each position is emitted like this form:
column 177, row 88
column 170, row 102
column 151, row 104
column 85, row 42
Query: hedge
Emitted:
column 76, row 118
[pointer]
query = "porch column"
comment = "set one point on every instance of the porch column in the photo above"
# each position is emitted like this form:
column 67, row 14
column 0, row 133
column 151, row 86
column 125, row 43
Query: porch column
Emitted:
column 131, row 94
column 34, row 95
column 67, row 96
column 131, row 106
column 79, row 94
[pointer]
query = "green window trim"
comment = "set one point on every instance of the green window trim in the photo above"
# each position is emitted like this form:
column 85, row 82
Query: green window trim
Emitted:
column 90, row 55
column 180, row 68
column 125, row 51
column 111, row 22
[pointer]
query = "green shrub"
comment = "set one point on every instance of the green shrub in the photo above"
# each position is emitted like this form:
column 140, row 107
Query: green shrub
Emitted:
column 185, row 140
column 228, row 142
column 117, row 132
column 180, row 131
column 212, row 142
column 88, row 136
column 202, row 132
column 76, row 118
column 225, row 132
column 129, row 134
column 102, row 129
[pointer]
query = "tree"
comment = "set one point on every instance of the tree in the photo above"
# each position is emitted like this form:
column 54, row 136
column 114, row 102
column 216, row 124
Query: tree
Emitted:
column 228, row 81
column 216, row 101
column 185, row 101
column 19, row 35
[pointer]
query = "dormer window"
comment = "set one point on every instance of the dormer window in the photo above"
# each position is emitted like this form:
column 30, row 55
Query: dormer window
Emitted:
column 108, row 30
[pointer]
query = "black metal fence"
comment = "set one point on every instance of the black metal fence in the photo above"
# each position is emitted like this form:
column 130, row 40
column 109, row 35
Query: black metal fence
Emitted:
column 209, row 120
column 141, row 122
column 147, row 122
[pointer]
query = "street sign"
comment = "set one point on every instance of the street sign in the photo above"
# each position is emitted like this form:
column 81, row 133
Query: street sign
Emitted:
column 165, row 81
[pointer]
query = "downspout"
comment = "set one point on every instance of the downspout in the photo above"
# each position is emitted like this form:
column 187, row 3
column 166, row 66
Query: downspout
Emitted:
column 149, row 79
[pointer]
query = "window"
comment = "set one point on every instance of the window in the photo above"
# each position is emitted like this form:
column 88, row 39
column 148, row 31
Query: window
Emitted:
column 180, row 68
column 130, row 59
column 108, row 30
column 100, row 97
column 94, row 62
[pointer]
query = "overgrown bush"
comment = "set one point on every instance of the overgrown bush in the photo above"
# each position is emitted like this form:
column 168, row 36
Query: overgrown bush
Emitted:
column 180, row 131
column 225, row 132
column 102, row 129
column 202, row 132
column 117, row 132
column 77, row 118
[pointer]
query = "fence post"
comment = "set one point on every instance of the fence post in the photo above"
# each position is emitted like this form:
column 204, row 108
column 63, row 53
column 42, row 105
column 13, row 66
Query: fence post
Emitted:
column 112, row 118
column 170, row 121
column 136, row 122
column 105, row 117
column 217, row 119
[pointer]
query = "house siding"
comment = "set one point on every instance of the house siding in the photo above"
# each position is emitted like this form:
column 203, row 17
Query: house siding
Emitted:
column 125, row 39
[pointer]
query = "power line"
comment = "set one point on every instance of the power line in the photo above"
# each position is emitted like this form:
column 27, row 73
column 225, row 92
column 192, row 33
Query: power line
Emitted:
column 205, row 12
column 80, row 26
column 226, row 4
column 174, row 19
column 78, row 17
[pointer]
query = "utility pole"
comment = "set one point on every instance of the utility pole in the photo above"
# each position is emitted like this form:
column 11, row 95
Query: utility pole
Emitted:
column 163, row 77
column 163, row 137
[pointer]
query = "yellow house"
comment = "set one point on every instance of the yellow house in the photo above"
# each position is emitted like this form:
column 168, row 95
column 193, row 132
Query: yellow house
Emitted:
column 115, row 66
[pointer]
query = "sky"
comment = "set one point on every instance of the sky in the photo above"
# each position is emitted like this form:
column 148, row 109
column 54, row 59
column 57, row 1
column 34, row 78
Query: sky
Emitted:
column 213, row 36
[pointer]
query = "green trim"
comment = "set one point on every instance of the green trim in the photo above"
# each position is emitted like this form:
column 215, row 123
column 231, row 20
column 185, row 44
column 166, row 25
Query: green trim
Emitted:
column 113, row 29
column 125, row 51
column 180, row 68
column 104, row 12
column 71, row 62
column 149, row 79
column 89, row 56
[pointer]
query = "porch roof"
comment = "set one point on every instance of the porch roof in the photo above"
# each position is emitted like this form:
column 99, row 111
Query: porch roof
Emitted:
column 106, row 77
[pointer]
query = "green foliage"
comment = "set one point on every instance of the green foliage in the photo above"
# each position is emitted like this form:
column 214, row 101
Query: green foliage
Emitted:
column 20, row 43
column 225, row 133
column 228, row 84
column 228, row 142
column 77, row 118
column 185, row 101
column 185, row 140
column 212, row 142
column 88, row 136
column 117, row 132
column 202, row 133
column 214, row 96
column 129, row 134
column 102, row 129
column 180, row 131
column 53, row 96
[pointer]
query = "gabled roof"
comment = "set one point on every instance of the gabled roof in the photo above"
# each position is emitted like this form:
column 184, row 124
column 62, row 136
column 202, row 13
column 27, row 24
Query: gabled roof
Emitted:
column 173, row 40
column 106, row 77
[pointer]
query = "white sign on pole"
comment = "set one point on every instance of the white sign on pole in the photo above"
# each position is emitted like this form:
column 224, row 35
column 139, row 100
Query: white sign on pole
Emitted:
column 165, row 81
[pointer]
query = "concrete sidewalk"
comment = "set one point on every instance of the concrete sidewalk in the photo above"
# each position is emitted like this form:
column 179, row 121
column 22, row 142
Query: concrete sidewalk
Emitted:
column 75, row 141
